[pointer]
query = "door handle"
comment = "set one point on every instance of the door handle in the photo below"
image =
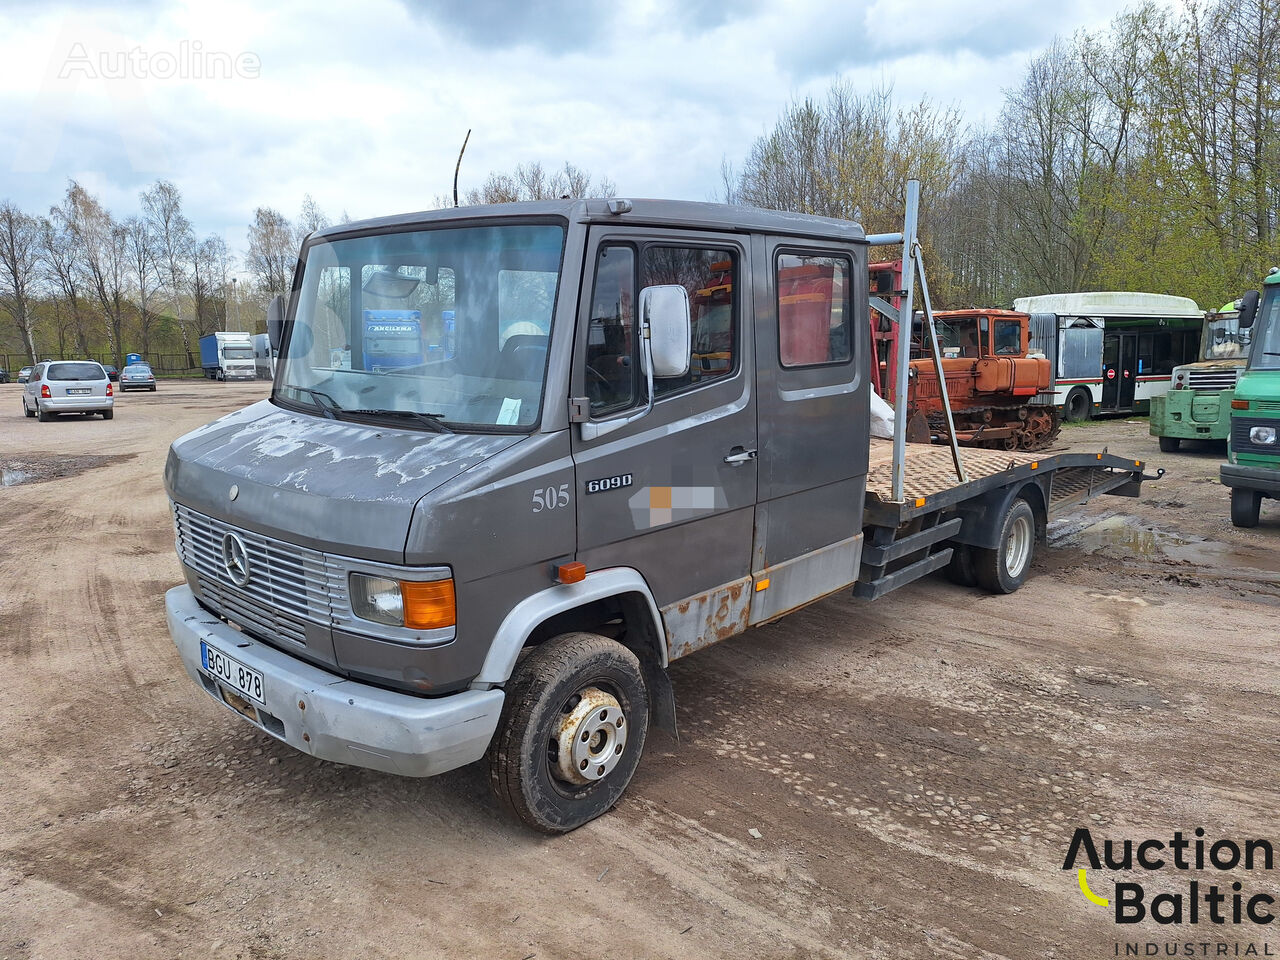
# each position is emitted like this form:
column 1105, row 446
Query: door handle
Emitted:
column 738, row 456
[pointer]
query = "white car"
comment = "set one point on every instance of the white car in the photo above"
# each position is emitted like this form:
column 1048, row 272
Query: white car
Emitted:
column 68, row 386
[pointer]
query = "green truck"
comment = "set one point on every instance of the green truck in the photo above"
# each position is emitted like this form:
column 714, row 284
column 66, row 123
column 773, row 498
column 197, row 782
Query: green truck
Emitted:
column 1198, row 404
column 1252, row 470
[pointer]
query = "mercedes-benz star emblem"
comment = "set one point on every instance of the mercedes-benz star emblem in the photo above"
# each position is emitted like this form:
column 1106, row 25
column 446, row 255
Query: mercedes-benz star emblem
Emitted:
column 236, row 559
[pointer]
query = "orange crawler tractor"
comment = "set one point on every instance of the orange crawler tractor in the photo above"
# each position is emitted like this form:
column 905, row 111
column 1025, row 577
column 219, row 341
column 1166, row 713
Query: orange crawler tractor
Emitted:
column 991, row 383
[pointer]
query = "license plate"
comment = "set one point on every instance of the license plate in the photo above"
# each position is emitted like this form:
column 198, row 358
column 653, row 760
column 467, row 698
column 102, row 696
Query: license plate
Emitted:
column 231, row 672
column 78, row 391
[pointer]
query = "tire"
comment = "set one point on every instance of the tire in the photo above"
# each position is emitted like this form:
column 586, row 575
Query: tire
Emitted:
column 153, row 389
column 29, row 412
column 44, row 417
column 960, row 569
column 108, row 414
column 1004, row 568
column 1245, row 507
column 1170, row 444
column 1079, row 405
column 574, row 673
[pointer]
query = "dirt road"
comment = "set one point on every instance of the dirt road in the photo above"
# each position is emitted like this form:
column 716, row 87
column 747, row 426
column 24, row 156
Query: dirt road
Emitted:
column 914, row 767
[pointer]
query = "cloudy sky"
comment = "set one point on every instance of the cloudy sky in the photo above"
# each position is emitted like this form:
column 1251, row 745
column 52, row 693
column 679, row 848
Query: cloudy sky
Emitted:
column 364, row 105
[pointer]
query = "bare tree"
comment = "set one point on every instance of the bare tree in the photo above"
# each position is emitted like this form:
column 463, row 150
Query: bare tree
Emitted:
column 19, row 263
column 208, row 284
column 531, row 182
column 60, row 253
column 105, row 261
column 140, row 249
column 310, row 219
column 272, row 251
column 174, row 242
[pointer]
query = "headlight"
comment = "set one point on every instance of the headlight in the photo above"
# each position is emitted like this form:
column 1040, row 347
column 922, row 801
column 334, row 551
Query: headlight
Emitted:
column 1262, row 435
column 418, row 605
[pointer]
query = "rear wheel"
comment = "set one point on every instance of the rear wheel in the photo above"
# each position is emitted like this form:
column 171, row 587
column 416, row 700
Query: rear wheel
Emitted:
column 1003, row 568
column 1245, row 507
column 45, row 416
column 1079, row 405
column 1170, row 444
column 571, row 732
column 108, row 414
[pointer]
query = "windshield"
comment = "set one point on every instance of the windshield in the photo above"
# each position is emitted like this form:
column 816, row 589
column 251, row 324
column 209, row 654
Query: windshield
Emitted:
column 1266, row 331
column 959, row 337
column 1223, row 339
column 237, row 353
column 446, row 325
column 75, row 371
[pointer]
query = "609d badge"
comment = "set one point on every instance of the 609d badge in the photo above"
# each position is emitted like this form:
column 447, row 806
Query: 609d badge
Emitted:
column 609, row 483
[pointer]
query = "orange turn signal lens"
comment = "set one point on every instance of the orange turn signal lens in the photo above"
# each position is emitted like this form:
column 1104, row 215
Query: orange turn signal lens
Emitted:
column 573, row 572
column 1239, row 404
column 428, row 605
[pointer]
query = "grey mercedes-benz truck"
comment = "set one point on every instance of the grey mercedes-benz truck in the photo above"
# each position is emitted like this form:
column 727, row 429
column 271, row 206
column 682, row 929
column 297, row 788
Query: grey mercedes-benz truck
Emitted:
column 518, row 458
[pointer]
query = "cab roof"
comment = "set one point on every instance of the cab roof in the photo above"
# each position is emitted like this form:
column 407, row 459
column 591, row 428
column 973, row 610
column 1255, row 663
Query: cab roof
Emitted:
column 675, row 213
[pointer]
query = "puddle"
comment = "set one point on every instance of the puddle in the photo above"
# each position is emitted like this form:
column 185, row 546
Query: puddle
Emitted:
column 1127, row 537
column 16, row 471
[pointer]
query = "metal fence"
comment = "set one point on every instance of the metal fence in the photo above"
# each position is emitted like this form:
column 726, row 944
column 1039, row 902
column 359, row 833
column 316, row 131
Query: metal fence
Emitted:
column 164, row 364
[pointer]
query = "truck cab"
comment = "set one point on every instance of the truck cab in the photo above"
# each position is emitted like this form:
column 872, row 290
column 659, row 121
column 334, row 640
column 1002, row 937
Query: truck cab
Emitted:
column 1198, row 404
column 518, row 459
column 1252, row 470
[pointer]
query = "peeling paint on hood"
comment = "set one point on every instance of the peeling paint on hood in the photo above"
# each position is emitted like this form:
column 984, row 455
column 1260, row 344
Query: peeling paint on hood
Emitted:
column 334, row 485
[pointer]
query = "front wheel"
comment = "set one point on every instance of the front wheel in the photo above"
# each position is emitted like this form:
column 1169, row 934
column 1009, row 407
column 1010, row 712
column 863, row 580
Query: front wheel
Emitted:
column 1170, row 444
column 1245, row 507
column 571, row 733
column 27, row 410
column 1003, row 568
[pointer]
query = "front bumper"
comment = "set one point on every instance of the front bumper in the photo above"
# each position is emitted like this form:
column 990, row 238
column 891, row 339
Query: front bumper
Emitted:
column 1263, row 479
column 336, row 719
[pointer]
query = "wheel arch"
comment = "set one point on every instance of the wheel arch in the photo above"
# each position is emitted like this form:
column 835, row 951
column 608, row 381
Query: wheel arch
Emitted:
column 615, row 592
column 983, row 515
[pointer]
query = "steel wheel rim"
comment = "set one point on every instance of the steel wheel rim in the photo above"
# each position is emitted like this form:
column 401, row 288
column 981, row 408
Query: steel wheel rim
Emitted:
column 590, row 737
column 1017, row 546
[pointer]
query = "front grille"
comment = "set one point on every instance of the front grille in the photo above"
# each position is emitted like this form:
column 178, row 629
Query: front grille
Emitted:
column 289, row 585
column 1240, row 442
column 1213, row 379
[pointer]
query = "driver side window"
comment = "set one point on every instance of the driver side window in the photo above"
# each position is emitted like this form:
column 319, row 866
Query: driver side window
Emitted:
column 612, row 382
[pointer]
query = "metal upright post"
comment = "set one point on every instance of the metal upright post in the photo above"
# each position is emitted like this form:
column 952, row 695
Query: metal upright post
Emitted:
column 937, row 366
column 904, row 341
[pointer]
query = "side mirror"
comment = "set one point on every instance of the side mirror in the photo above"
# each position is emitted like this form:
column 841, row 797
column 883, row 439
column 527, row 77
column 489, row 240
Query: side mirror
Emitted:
column 275, row 321
column 1248, row 310
column 665, row 309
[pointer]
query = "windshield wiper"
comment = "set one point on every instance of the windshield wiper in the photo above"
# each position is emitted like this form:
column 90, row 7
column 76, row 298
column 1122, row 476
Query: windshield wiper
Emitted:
column 324, row 403
column 434, row 421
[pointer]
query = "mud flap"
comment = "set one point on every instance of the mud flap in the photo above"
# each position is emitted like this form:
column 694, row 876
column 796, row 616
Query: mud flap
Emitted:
column 662, row 697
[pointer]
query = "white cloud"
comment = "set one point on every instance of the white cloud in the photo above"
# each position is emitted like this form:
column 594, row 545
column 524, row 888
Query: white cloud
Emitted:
column 365, row 106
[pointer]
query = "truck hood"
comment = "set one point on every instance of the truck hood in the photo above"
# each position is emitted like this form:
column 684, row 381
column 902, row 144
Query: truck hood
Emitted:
column 336, row 486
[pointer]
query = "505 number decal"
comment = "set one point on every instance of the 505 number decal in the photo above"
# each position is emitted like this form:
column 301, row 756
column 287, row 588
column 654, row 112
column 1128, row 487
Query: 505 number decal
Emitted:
column 550, row 498
column 609, row 483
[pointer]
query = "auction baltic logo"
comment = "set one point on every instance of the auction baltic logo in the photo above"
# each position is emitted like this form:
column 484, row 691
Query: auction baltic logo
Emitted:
column 1216, row 903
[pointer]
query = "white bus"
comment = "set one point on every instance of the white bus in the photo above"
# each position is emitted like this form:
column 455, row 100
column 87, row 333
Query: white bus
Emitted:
column 1111, row 352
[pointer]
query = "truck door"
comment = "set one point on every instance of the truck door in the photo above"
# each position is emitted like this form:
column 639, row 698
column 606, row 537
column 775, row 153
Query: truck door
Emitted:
column 813, row 344
column 671, row 494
